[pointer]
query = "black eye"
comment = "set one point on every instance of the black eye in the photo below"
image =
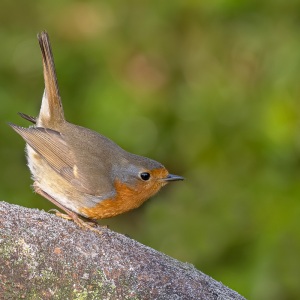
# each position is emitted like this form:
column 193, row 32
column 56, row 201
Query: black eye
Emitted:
column 145, row 176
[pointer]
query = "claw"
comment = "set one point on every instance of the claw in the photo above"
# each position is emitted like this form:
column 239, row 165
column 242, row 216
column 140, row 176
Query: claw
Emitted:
column 86, row 225
column 70, row 215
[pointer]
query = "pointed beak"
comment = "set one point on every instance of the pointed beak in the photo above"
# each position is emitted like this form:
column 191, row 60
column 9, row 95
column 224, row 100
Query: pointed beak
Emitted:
column 172, row 177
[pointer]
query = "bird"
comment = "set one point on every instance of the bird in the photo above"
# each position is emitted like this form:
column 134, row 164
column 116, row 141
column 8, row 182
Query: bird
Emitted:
column 85, row 174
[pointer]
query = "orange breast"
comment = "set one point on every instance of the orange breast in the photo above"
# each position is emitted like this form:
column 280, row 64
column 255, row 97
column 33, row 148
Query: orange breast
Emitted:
column 126, row 199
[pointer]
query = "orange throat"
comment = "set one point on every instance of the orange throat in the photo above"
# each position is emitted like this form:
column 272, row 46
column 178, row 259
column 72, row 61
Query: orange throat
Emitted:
column 126, row 199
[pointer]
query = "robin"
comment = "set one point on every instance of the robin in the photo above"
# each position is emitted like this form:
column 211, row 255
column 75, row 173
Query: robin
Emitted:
column 79, row 170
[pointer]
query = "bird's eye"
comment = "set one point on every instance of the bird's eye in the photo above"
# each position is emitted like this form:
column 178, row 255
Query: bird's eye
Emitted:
column 145, row 176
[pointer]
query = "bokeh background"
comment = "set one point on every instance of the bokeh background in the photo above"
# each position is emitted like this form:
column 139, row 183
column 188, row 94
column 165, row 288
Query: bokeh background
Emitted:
column 209, row 88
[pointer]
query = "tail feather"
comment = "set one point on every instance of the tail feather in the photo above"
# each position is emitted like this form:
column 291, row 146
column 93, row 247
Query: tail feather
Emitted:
column 51, row 112
column 27, row 117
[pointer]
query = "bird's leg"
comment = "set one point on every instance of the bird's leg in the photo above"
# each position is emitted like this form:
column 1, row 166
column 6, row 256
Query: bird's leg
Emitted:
column 70, row 215
column 67, row 216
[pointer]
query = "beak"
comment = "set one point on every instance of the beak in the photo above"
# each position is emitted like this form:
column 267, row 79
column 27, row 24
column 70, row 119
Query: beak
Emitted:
column 172, row 177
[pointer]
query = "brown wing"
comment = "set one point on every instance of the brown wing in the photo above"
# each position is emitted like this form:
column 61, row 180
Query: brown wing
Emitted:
column 55, row 151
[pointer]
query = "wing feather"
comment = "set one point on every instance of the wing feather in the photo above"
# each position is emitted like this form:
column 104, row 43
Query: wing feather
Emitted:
column 52, row 147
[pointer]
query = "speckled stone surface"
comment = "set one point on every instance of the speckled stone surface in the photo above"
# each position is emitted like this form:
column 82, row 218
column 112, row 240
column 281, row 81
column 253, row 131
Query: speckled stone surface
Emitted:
column 46, row 257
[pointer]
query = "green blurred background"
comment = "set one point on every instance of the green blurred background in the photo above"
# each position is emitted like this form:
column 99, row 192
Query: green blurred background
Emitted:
column 208, row 88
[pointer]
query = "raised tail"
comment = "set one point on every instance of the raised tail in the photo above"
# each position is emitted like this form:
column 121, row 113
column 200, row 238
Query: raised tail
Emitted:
column 51, row 112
